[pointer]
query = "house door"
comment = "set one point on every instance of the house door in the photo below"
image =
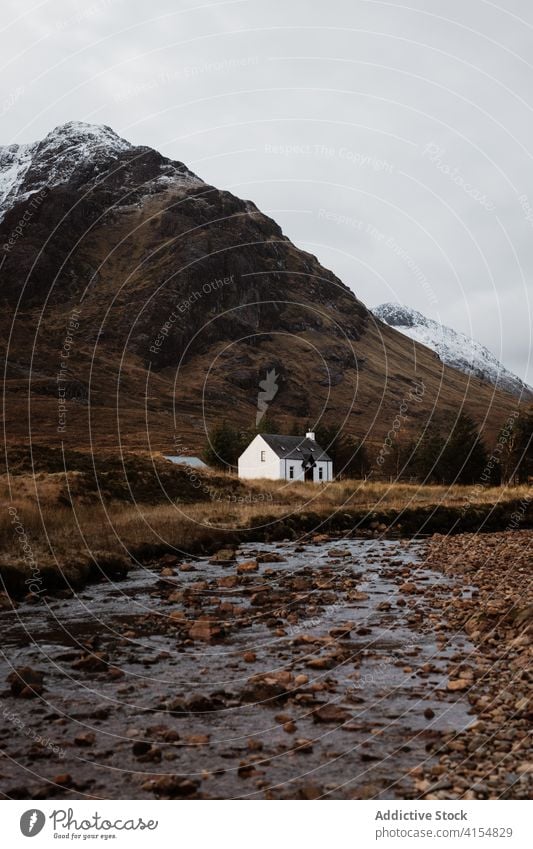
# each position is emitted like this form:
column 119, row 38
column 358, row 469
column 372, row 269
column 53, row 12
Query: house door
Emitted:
column 309, row 474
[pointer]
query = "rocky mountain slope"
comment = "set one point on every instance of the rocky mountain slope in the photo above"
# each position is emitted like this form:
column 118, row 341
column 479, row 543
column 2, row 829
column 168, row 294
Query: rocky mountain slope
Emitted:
column 74, row 153
column 454, row 349
column 140, row 306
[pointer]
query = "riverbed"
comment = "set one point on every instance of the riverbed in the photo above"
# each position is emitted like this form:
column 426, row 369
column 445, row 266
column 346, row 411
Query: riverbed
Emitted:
column 286, row 671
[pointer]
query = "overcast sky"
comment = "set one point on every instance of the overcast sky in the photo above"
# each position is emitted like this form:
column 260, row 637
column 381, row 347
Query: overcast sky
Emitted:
column 392, row 140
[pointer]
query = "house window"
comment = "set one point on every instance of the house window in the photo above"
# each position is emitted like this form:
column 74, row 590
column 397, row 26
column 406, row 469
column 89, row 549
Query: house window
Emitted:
column 263, row 456
column 291, row 471
column 320, row 471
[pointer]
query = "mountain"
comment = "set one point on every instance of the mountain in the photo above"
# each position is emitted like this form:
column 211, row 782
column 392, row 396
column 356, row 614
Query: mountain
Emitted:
column 142, row 306
column 74, row 153
column 454, row 349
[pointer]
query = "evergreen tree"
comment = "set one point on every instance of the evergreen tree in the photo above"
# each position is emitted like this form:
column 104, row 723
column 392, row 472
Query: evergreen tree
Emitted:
column 267, row 425
column 329, row 438
column 349, row 454
column 464, row 458
column 450, row 450
column 225, row 446
column 396, row 461
column 519, row 460
column 355, row 462
column 424, row 455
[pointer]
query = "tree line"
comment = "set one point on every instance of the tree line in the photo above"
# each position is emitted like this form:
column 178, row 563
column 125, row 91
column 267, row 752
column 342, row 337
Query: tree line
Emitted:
column 349, row 454
column 448, row 449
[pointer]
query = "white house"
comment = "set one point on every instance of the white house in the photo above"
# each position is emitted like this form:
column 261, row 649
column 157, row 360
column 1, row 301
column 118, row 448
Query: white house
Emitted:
column 277, row 457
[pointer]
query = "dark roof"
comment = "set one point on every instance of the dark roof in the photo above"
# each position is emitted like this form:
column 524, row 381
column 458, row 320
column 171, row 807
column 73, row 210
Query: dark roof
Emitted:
column 295, row 447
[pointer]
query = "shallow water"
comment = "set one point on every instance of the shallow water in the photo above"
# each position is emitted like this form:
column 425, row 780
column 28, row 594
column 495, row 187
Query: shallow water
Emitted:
column 388, row 672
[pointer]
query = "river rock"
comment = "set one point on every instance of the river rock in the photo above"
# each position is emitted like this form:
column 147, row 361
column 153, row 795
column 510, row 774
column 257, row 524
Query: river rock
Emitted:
column 172, row 786
column 169, row 559
column 270, row 557
column 85, row 738
column 459, row 684
column 332, row 713
column 268, row 686
column 223, row 555
column 205, row 630
column 247, row 566
column 25, row 682
column 93, row 662
column 6, row 602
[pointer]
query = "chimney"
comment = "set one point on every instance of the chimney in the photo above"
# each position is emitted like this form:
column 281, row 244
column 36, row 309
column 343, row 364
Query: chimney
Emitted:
column 310, row 435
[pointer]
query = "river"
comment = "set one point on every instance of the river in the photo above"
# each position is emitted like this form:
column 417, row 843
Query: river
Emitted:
column 321, row 673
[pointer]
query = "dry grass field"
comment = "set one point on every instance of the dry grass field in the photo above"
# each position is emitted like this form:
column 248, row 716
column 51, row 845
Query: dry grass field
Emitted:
column 64, row 523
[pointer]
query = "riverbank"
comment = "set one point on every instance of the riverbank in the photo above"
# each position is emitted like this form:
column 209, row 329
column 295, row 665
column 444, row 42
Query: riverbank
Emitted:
column 493, row 758
column 50, row 544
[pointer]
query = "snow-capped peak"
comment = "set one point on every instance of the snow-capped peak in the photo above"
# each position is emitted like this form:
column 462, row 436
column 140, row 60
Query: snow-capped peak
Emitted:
column 78, row 141
column 80, row 132
column 453, row 348
column 72, row 150
column 27, row 168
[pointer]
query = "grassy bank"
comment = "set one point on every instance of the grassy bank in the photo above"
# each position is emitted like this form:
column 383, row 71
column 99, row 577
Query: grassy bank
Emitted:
column 67, row 528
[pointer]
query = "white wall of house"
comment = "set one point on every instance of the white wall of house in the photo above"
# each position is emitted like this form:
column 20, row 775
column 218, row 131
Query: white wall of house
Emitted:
column 322, row 471
column 259, row 460
column 298, row 473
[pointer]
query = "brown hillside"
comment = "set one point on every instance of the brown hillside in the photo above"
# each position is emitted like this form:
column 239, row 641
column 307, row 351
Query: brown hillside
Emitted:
column 186, row 296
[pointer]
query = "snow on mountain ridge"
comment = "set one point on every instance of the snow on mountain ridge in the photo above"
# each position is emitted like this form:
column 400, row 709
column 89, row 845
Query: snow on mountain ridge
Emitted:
column 63, row 153
column 453, row 348
column 14, row 162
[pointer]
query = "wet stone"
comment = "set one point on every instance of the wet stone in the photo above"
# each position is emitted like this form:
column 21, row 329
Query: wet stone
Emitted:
column 240, row 683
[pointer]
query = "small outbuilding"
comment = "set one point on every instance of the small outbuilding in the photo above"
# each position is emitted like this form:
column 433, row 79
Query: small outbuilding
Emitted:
column 278, row 457
column 185, row 460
